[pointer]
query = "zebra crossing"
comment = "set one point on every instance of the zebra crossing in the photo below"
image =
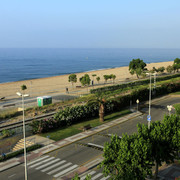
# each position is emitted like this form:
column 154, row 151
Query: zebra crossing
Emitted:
column 95, row 176
column 52, row 166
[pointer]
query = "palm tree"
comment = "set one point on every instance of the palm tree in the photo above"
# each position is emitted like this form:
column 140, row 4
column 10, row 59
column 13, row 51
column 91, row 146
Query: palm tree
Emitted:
column 100, row 100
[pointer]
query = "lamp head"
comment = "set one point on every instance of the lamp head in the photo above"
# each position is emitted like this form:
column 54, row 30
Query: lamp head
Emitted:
column 19, row 94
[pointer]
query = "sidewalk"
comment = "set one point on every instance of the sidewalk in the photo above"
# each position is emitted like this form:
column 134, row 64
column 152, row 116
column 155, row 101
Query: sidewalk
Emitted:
column 59, row 144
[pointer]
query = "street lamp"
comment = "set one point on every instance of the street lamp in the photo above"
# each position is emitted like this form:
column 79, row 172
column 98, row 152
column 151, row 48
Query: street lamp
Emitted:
column 149, row 116
column 137, row 101
column 24, row 132
column 149, row 121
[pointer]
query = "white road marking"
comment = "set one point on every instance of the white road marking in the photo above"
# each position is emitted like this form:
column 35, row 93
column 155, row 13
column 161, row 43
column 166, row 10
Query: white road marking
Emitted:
column 51, row 162
column 95, row 177
column 95, row 145
column 11, row 176
column 55, row 170
column 104, row 178
column 91, row 173
column 37, row 160
column 34, row 165
column 57, row 164
column 65, row 171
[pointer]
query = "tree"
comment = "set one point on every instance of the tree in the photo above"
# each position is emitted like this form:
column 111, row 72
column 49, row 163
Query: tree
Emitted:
column 98, row 79
column 177, row 64
column 127, row 158
column 161, row 146
column 93, row 75
column 175, row 67
column 98, row 99
column 72, row 78
column 161, row 69
column 113, row 77
column 169, row 69
column 172, row 133
column 137, row 66
column 85, row 80
column 106, row 77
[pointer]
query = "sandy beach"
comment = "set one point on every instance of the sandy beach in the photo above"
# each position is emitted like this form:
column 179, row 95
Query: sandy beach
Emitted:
column 58, row 84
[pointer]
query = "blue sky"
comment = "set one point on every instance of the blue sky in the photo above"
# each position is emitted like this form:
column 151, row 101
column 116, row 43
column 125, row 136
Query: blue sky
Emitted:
column 90, row 24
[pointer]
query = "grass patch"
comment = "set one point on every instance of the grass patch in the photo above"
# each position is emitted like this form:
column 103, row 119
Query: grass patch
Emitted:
column 6, row 142
column 176, row 93
column 9, row 114
column 65, row 132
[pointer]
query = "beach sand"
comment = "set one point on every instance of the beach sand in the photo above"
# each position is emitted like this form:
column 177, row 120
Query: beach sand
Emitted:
column 58, row 84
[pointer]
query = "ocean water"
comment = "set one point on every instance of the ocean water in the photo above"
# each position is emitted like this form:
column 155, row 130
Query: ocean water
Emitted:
column 22, row 64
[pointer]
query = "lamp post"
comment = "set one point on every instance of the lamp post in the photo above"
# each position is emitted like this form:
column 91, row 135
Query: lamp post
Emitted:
column 149, row 116
column 137, row 101
column 149, row 100
column 24, row 132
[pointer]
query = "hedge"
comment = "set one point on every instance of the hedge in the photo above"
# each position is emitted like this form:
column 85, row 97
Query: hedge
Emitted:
column 131, row 84
column 14, row 154
column 72, row 115
column 69, row 116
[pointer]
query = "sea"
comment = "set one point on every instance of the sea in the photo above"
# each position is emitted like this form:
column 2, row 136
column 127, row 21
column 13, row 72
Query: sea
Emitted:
column 18, row 64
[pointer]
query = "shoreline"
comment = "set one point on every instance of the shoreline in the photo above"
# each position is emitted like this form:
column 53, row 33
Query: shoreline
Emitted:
column 89, row 71
column 58, row 83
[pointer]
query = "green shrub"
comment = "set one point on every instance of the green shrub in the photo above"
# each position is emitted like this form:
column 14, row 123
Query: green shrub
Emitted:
column 6, row 133
column 14, row 154
column 131, row 84
column 72, row 115
column 177, row 108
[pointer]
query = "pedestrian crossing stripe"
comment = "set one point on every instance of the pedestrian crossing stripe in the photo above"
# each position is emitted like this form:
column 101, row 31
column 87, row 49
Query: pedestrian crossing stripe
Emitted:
column 37, row 164
column 57, row 164
column 39, row 159
column 52, row 166
column 51, row 162
column 66, row 170
column 57, row 167
column 95, row 175
column 91, row 173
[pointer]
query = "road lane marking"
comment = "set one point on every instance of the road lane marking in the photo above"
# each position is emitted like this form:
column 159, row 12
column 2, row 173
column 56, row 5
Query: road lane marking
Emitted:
column 95, row 145
column 57, row 164
column 34, row 165
column 91, row 173
column 62, row 167
column 11, row 176
column 51, row 162
column 97, row 176
column 104, row 178
column 66, row 170
column 37, row 160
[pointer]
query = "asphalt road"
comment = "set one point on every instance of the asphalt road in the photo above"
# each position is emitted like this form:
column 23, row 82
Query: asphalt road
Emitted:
column 31, row 101
column 77, row 155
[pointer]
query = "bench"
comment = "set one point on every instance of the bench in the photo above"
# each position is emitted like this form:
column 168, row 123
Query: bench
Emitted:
column 78, row 86
column 86, row 127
